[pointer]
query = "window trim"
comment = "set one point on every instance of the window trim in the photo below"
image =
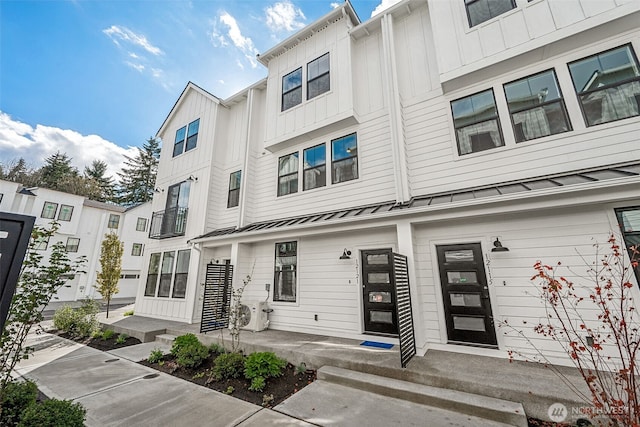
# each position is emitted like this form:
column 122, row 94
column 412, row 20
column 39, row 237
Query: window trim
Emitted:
column 305, row 169
column 471, row 25
column 297, row 154
column 497, row 118
column 160, row 257
column 181, row 142
column 146, row 223
column 77, row 245
column 333, row 177
column 284, row 93
column 194, row 136
column 55, row 210
column 319, row 76
column 62, row 206
column 276, row 271
column 110, row 222
column 234, row 191
column 137, row 245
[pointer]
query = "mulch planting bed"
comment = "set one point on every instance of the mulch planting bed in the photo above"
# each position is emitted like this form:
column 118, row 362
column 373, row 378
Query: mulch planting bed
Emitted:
column 276, row 390
column 99, row 343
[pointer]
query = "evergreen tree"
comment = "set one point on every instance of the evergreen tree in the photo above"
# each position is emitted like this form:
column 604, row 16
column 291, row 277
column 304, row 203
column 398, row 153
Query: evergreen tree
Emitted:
column 138, row 177
column 18, row 171
column 56, row 170
column 110, row 266
column 103, row 184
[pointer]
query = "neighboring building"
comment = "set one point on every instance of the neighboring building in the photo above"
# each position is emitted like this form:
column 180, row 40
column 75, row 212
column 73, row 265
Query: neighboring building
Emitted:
column 438, row 130
column 83, row 224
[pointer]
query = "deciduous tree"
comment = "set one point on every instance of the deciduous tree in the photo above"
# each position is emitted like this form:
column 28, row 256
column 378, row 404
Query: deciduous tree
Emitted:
column 110, row 267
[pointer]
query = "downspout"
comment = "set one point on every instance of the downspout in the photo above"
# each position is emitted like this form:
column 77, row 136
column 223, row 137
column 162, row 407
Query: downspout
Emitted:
column 399, row 154
column 245, row 168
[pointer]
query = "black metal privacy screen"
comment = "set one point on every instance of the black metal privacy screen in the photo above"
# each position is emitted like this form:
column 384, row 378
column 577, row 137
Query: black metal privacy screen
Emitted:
column 403, row 306
column 217, row 297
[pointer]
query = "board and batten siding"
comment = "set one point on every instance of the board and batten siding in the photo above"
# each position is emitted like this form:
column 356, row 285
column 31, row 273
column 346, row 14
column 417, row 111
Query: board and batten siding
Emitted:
column 528, row 26
column 327, row 286
column 564, row 235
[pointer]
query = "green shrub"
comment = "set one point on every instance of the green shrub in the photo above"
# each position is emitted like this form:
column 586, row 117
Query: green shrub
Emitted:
column 192, row 355
column 263, row 364
column 155, row 356
column 79, row 323
column 217, row 348
column 128, row 313
column 17, row 397
column 96, row 335
column 183, row 341
column 107, row 334
column 64, row 318
column 122, row 338
column 257, row 384
column 228, row 365
column 53, row 413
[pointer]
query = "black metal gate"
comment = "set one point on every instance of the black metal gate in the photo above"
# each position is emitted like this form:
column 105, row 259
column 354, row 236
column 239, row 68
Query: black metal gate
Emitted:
column 217, row 297
column 403, row 307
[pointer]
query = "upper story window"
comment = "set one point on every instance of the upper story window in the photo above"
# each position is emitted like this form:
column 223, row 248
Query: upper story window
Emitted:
column 344, row 159
column 318, row 76
column 629, row 221
column 286, row 266
column 65, row 213
column 292, row 89
column 186, row 140
column 476, row 123
column 608, row 85
column 136, row 249
column 288, row 174
column 49, row 210
column 315, row 167
column 536, row 106
column 479, row 11
column 114, row 221
column 141, row 224
column 233, row 199
column 73, row 243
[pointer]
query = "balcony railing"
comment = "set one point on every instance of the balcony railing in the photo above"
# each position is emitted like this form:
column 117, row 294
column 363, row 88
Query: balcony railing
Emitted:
column 171, row 222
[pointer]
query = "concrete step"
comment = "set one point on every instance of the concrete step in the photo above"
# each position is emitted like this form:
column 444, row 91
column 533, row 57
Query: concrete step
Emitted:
column 166, row 338
column 489, row 408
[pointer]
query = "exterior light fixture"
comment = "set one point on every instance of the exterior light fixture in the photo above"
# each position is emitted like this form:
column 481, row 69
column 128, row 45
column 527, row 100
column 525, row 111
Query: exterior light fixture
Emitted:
column 497, row 246
column 158, row 190
column 192, row 178
column 346, row 254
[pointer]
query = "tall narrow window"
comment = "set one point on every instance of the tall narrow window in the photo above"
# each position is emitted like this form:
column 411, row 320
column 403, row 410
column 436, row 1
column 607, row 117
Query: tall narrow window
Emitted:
column 344, row 159
column 72, row 244
column 166, row 273
column 608, row 85
column 136, row 249
column 192, row 135
column 182, row 272
column 476, row 121
column 152, row 275
column 479, row 11
column 286, row 266
column 288, row 174
column 315, row 167
column 178, row 145
column 65, row 213
column 114, row 221
column 318, row 76
column 629, row 221
column 233, row 199
column 49, row 210
column 536, row 106
column 141, row 224
column 292, row 89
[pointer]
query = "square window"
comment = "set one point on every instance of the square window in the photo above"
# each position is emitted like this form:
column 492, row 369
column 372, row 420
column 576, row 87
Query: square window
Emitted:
column 114, row 221
column 141, row 224
column 288, row 174
column 292, row 89
column 233, row 199
column 315, row 167
column 479, row 11
column 72, row 244
column 344, row 159
column 286, row 265
column 536, row 106
column 608, row 85
column 136, row 249
column 318, row 76
column 192, row 135
column 178, row 145
column 476, row 123
column 49, row 210
column 65, row 213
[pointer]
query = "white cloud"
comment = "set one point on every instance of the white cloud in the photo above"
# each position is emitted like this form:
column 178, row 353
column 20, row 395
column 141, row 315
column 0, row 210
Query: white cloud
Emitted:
column 133, row 55
column 384, row 4
column 138, row 67
column 221, row 81
column 335, row 5
column 244, row 44
column 19, row 139
column 284, row 16
column 118, row 34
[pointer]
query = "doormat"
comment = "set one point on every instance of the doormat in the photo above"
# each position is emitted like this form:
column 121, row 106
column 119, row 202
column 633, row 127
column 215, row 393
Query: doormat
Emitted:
column 376, row 344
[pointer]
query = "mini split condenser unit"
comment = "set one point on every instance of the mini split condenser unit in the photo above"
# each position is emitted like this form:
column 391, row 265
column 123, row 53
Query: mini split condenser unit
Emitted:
column 252, row 316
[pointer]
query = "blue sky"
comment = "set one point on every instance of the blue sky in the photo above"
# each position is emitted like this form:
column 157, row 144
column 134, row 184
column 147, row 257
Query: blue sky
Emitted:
column 94, row 78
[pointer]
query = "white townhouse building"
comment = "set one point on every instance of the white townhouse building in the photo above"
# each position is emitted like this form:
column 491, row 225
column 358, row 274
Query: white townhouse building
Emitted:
column 471, row 137
column 83, row 225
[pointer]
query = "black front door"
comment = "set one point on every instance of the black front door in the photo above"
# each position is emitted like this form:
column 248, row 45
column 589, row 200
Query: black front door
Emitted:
column 466, row 295
column 378, row 293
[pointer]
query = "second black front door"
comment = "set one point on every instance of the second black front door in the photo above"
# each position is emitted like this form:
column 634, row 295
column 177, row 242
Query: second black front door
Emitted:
column 378, row 293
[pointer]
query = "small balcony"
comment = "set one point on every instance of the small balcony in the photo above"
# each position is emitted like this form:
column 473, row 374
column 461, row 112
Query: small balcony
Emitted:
column 171, row 222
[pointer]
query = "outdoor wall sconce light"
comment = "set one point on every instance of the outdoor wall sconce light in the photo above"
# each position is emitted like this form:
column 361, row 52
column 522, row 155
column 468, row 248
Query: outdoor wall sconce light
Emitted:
column 192, row 178
column 158, row 190
column 346, row 254
column 497, row 246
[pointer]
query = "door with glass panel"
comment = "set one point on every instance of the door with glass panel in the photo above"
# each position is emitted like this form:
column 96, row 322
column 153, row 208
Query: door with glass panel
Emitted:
column 379, row 301
column 465, row 292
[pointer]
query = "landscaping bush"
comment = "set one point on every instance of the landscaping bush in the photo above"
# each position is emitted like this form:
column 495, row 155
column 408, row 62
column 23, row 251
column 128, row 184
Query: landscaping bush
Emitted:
column 16, row 398
column 122, row 338
column 107, row 334
column 128, row 313
column 53, row 413
column 228, row 365
column 155, row 356
column 263, row 364
column 183, row 341
column 217, row 348
column 64, row 318
column 79, row 323
column 192, row 355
